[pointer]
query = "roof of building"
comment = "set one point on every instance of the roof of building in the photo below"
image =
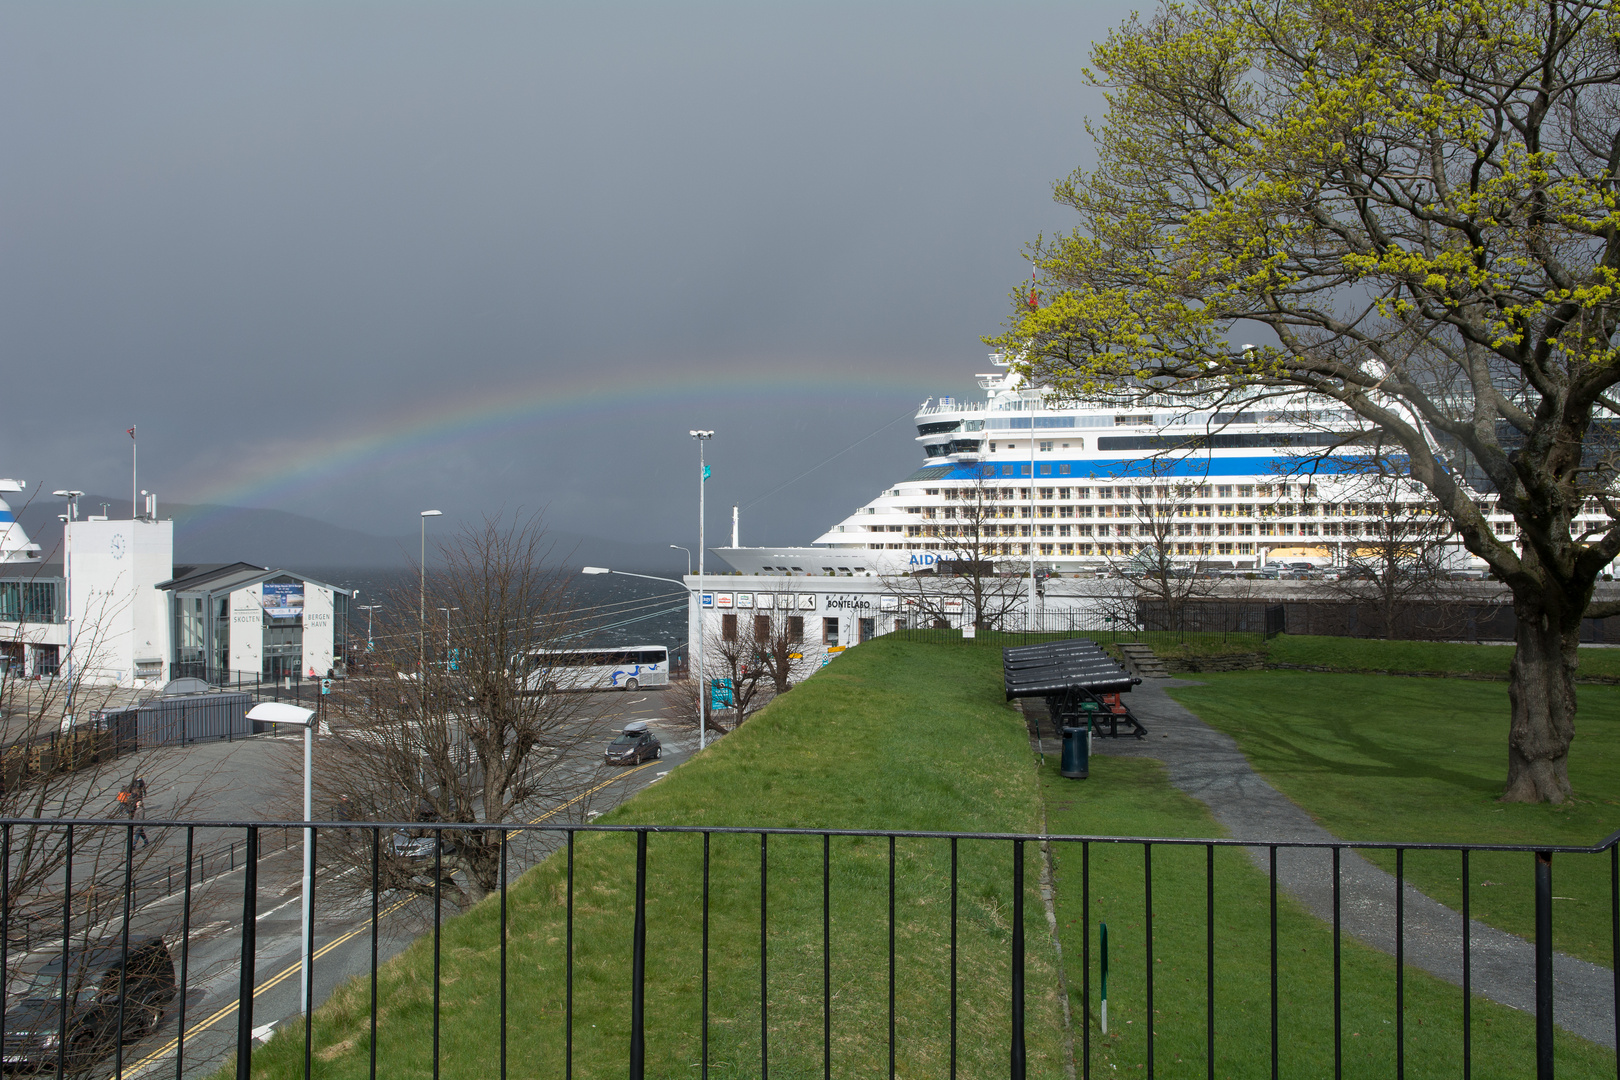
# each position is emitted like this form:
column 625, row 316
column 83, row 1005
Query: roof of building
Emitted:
column 229, row 577
column 208, row 577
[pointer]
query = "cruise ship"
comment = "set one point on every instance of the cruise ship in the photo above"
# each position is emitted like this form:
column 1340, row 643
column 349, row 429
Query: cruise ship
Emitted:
column 1082, row 487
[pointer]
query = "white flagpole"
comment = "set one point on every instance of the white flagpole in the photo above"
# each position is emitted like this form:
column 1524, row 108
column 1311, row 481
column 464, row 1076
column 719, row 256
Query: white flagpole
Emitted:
column 134, row 479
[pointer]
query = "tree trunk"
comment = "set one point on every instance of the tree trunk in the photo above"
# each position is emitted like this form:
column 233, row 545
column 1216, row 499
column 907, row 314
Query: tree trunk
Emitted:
column 1541, row 689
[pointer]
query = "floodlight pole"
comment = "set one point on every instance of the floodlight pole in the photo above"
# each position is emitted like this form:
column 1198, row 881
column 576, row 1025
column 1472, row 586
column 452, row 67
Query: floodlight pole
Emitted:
column 697, row 646
column 421, row 611
column 277, row 712
column 72, row 498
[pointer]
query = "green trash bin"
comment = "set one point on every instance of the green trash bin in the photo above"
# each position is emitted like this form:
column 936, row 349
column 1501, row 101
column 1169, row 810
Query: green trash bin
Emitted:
column 1077, row 752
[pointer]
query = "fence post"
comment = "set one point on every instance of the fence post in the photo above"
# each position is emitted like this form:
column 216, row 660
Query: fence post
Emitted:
column 1544, row 967
column 244, row 998
column 1018, row 962
column 638, row 964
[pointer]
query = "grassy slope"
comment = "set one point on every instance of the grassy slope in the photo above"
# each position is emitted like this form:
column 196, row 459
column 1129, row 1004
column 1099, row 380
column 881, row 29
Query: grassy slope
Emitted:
column 1429, row 657
column 1376, row 757
column 892, row 735
column 1134, row 794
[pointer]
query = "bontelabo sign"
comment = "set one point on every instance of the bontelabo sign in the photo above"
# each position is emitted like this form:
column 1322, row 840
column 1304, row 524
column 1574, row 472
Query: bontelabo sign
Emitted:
column 851, row 602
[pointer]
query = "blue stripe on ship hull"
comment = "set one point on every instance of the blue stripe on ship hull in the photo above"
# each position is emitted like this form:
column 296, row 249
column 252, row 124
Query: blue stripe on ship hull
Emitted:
column 7, row 516
column 1146, row 467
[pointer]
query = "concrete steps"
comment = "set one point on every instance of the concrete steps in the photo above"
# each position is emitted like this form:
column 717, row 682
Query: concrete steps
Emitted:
column 1140, row 659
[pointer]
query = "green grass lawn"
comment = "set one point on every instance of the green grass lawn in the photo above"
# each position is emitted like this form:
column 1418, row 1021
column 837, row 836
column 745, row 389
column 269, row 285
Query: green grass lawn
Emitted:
column 1137, row 793
column 1374, row 757
column 1427, row 657
column 891, row 735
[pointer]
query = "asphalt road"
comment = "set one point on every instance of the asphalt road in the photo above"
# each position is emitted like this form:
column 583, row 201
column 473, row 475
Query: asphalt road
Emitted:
column 343, row 924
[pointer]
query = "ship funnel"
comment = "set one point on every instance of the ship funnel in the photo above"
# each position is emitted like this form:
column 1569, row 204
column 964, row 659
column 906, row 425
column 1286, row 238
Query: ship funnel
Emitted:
column 14, row 543
column 734, row 528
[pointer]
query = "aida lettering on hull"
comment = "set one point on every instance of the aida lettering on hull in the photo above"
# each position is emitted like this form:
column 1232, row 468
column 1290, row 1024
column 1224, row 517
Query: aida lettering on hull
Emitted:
column 924, row 558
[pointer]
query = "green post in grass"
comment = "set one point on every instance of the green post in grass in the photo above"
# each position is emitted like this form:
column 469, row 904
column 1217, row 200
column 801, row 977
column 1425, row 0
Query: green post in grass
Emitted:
column 1104, row 943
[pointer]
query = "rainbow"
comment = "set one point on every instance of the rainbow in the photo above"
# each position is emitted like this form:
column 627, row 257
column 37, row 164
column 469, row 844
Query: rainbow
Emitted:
column 285, row 473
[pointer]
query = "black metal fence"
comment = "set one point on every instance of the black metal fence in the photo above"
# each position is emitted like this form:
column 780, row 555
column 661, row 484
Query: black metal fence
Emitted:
column 652, row 951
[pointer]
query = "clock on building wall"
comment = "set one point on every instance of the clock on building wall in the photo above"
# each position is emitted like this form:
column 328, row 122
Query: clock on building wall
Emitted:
column 118, row 545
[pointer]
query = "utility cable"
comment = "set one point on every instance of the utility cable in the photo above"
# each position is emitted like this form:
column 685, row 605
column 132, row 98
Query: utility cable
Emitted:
column 839, row 454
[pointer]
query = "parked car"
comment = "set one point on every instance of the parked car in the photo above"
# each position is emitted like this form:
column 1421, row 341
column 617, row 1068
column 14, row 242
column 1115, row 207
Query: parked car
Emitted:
column 92, row 984
column 635, row 744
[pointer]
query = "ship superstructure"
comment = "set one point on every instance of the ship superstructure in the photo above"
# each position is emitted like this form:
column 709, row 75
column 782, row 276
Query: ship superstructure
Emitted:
column 1084, row 487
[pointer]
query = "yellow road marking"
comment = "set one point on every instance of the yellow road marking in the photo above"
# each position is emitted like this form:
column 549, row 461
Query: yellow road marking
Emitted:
column 286, row 973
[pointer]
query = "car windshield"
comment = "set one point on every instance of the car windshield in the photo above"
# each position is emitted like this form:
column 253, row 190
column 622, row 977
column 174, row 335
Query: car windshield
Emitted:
column 626, row 740
column 47, row 986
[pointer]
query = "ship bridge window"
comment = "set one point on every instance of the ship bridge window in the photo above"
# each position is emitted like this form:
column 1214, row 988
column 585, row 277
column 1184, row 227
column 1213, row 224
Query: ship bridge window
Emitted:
column 939, row 428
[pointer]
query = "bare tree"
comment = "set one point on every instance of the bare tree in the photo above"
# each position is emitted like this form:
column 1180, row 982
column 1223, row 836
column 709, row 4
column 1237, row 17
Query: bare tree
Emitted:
column 69, row 752
column 983, row 531
column 446, row 724
column 1398, row 564
column 1161, row 558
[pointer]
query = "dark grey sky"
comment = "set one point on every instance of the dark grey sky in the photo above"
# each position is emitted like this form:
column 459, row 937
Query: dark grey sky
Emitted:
column 358, row 260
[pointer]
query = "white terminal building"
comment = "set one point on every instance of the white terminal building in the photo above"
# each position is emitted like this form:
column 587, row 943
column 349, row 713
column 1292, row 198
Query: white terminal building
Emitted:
column 112, row 605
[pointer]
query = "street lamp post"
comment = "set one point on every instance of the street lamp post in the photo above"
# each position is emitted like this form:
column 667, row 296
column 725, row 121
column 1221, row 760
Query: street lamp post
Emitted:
column 279, row 712
column 447, row 611
column 368, row 609
column 702, row 704
column 677, row 547
column 72, row 498
column 697, row 646
column 421, row 613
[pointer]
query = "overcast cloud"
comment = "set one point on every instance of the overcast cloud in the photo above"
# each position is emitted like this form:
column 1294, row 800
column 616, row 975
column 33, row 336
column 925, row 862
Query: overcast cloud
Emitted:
column 307, row 247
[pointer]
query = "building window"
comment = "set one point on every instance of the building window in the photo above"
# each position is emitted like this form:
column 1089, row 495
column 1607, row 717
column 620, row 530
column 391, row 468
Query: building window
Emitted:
column 796, row 629
column 1046, row 549
column 728, row 628
column 1046, row 530
column 829, row 631
column 762, row 628
column 1223, row 549
column 1065, row 549
column 1245, row 549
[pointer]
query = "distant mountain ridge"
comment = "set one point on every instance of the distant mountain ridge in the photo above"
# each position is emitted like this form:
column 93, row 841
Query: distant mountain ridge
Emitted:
column 283, row 540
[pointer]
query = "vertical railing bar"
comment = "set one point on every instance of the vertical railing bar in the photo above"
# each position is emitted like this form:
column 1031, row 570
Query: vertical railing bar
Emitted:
column 123, row 950
column 1017, row 1052
column 67, row 937
column 244, row 994
column 638, row 965
column 826, row 955
column 438, row 935
column 503, row 953
column 568, row 966
column 704, row 1029
column 1273, row 962
column 1209, row 957
column 764, row 984
column 1544, row 967
column 1467, row 977
column 1400, row 964
column 1338, row 989
column 891, row 957
column 185, row 962
column 1147, row 899
column 1614, row 942
column 953, row 955
column 376, row 888
column 309, row 967
column 5, row 927
column 1085, row 960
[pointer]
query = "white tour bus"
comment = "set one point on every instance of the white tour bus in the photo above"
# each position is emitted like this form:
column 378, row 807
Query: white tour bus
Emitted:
column 627, row 668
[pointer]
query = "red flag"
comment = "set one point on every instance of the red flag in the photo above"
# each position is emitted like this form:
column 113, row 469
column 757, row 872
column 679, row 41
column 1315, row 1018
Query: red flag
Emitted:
column 1034, row 297
column 132, row 433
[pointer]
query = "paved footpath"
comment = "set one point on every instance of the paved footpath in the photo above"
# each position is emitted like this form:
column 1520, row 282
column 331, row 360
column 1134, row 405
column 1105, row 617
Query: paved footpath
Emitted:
column 1208, row 765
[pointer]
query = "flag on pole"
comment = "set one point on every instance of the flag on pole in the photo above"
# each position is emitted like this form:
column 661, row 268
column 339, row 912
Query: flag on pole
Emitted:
column 132, row 433
column 1034, row 297
column 705, row 472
